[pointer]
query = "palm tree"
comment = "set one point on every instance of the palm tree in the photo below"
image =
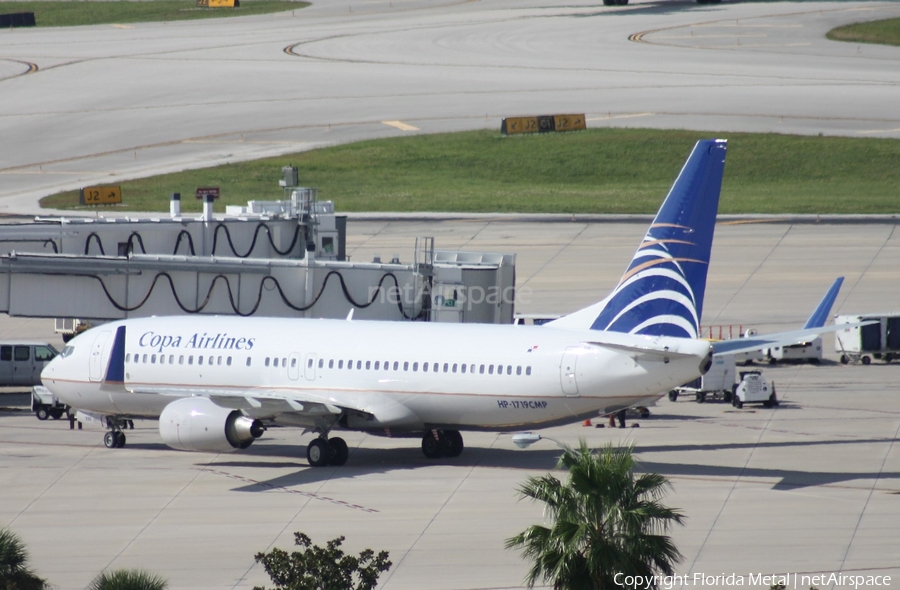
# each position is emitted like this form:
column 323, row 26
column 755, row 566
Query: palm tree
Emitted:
column 605, row 520
column 128, row 580
column 14, row 573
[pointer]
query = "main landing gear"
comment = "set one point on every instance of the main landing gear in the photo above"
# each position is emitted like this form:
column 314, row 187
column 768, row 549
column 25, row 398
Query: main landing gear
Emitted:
column 327, row 451
column 442, row 443
column 115, row 438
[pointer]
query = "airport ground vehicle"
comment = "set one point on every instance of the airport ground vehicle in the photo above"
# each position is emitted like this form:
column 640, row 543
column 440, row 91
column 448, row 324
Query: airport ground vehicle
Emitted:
column 810, row 351
column 45, row 405
column 879, row 340
column 754, row 388
column 717, row 383
column 21, row 361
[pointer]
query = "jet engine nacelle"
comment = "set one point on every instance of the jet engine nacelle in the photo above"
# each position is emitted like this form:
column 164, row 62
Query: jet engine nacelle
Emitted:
column 198, row 424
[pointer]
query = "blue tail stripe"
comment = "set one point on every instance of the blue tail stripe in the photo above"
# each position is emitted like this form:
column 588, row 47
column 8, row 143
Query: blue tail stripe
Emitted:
column 115, row 371
column 674, row 256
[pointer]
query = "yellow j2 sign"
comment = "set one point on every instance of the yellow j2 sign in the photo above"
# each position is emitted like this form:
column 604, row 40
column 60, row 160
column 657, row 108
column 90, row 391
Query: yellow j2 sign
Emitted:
column 101, row 195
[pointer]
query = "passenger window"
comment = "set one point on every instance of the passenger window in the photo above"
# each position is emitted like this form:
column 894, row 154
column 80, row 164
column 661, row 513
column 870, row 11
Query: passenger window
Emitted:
column 528, row 370
column 387, row 365
column 377, row 364
column 406, row 365
column 181, row 360
column 454, row 367
column 200, row 360
column 509, row 369
column 330, row 363
column 490, row 369
column 396, row 365
column 463, row 367
column 424, row 367
column 5, row 353
column 321, row 363
column 190, row 359
column 350, row 364
column 284, row 362
column 227, row 361
column 152, row 359
column 249, row 360
column 172, row 359
column 127, row 356
column 481, row 369
column 267, row 361
column 446, row 367
column 42, row 353
column 519, row 370
column 368, row 365
column 340, row 364
column 436, row 368
column 415, row 367
column 219, row 360
column 358, row 365
column 144, row 359
column 22, row 353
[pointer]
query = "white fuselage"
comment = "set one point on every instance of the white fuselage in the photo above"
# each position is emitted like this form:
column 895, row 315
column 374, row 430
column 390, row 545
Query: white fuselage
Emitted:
column 397, row 377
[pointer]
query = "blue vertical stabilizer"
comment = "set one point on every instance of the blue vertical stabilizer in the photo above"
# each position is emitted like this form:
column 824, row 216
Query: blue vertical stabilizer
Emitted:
column 661, row 293
column 820, row 315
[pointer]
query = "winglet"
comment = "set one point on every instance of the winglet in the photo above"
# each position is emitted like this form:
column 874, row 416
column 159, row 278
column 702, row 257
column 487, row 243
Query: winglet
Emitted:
column 820, row 315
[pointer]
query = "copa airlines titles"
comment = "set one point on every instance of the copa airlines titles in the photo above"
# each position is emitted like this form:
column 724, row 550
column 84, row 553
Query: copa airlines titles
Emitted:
column 161, row 342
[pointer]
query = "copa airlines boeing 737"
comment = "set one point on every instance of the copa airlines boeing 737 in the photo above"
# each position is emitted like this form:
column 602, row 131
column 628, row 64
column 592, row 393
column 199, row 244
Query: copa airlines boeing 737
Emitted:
column 214, row 381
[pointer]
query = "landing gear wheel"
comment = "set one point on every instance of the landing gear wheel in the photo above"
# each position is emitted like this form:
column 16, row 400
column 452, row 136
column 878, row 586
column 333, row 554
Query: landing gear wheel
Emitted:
column 431, row 446
column 120, row 439
column 318, row 452
column 673, row 395
column 453, row 442
column 339, row 451
column 42, row 413
column 109, row 439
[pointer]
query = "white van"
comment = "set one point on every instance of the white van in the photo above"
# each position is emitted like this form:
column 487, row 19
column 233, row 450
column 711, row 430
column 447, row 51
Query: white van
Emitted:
column 21, row 362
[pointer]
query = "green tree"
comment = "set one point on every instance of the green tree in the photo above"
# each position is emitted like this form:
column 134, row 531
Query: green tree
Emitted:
column 14, row 571
column 605, row 520
column 125, row 579
column 323, row 568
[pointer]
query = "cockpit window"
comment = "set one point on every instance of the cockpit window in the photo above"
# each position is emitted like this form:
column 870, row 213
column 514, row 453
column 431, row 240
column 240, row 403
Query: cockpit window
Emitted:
column 66, row 351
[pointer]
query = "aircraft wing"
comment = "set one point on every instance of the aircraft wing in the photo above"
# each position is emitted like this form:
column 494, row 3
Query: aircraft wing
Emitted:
column 777, row 339
column 814, row 326
column 259, row 402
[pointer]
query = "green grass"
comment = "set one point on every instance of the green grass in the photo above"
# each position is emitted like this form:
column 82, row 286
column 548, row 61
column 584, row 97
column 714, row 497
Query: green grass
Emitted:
column 77, row 12
column 594, row 171
column 886, row 32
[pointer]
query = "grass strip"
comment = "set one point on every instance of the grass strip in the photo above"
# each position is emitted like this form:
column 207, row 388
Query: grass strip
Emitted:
column 79, row 12
column 593, row 171
column 885, row 32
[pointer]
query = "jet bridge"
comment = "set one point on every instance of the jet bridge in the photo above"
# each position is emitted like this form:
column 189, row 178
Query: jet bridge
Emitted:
column 275, row 258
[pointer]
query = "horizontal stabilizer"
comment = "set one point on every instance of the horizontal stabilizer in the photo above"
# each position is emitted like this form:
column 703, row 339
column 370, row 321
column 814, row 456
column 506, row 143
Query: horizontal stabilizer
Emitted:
column 648, row 352
column 777, row 339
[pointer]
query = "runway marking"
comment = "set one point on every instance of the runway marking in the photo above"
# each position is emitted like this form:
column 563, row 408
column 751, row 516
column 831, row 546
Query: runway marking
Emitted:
column 400, row 125
column 763, row 35
column 123, row 26
column 288, row 490
column 879, row 131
